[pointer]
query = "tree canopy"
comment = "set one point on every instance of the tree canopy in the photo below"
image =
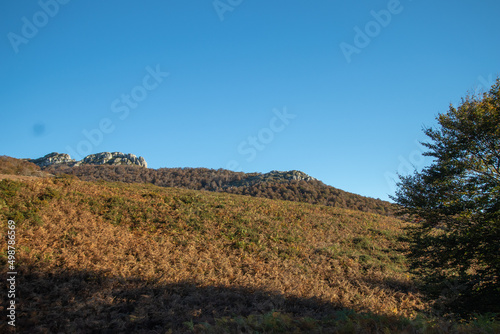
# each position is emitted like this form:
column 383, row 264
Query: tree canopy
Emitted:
column 455, row 204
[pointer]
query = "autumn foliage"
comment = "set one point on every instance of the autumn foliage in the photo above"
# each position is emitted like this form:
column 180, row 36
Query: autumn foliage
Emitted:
column 221, row 180
column 14, row 166
column 115, row 257
column 455, row 246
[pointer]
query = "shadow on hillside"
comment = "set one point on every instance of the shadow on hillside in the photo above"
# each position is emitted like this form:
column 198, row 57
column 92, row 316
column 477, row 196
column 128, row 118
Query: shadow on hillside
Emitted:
column 390, row 285
column 87, row 302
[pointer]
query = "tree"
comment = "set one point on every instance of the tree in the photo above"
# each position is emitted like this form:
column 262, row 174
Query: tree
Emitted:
column 455, row 204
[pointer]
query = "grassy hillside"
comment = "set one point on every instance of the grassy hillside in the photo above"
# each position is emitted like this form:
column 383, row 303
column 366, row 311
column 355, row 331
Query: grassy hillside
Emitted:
column 268, row 185
column 13, row 166
column 139, row 258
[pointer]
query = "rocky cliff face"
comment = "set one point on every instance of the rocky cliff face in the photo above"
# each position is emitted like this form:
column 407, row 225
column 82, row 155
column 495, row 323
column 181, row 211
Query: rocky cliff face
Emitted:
column 272, row 176
column 115, row 158
column 53, row 159
column 104, row 158
column 293, row 175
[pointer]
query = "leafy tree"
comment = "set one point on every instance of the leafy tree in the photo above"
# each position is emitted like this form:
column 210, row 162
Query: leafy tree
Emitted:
column 455, row 241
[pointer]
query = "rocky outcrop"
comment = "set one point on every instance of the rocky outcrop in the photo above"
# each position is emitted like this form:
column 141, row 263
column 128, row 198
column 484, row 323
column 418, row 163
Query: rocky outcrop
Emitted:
column 53, row 159
column 104, row 158
column 293, row 175
column 272, row 176
column 115, row 158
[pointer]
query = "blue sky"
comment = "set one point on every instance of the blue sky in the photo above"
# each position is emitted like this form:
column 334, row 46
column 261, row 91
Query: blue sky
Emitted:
column 337, row 89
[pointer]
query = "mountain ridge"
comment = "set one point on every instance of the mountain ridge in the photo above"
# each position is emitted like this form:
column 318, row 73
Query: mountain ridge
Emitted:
column 103, row 158
column 292, row 185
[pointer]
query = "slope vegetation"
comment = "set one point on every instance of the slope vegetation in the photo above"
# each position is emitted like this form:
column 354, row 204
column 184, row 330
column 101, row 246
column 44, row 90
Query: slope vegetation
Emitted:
column 291, row 186
column 136, row 257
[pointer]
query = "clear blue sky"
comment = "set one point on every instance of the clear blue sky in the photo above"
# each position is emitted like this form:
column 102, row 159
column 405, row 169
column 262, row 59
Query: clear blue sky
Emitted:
column 337, row 89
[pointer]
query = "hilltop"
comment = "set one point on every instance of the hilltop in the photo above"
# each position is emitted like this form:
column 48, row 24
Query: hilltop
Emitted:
column 286, row 185
column 103, row 158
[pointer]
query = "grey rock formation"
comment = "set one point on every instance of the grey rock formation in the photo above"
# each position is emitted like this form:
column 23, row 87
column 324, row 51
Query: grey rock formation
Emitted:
column 104, row 158
column 272, row 176
column 53, row 159
column 293, row 175
column 114, row 158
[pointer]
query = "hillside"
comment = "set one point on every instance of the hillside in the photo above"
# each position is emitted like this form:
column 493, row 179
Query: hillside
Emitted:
column 122, row 258
column 292, row 186
column 288, row 185
column 19, row 167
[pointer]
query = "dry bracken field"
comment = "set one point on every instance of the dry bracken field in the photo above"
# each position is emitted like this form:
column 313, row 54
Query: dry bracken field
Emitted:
column 114, row 257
